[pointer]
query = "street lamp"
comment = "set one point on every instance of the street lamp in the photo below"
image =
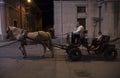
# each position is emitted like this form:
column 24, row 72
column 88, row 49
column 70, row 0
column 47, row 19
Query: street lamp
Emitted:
column 100, row 18
column 61, row 9
column 28, row 14
column 21, row 13
column 29, row 1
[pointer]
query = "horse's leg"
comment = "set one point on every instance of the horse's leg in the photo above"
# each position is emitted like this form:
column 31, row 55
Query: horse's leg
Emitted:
column 44, row 46
column 22, row 49
column 24, row 52
column 88, row 51
column 52, row 51
column 50, row 47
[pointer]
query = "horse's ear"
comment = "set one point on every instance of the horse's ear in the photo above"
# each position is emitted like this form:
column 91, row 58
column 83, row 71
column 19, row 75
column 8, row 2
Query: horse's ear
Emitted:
column 8, row 28
column 11, row 27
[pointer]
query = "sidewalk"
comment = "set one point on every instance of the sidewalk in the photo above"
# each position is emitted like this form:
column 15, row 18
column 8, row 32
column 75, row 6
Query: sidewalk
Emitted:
column 5, row 43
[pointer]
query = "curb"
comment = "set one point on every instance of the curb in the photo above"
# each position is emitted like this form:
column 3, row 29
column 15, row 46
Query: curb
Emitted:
column 6, row 43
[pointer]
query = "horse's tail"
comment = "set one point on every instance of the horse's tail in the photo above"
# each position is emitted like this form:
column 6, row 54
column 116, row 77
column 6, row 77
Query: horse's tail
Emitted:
column 50, row 39
column 51, row 44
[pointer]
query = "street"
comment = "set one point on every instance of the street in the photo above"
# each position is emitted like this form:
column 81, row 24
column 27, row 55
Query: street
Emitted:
column 12, row 65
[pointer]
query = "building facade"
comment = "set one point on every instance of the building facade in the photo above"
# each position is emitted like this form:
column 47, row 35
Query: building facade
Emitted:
column 96, row 16
column 19, row 13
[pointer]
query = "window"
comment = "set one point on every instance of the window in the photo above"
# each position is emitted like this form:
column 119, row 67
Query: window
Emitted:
column 81, row 9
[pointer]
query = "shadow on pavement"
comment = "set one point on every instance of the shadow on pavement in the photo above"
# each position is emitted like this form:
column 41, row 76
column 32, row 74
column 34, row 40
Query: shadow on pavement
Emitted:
column 84, row 58
column 27, row 58
column 87, row 58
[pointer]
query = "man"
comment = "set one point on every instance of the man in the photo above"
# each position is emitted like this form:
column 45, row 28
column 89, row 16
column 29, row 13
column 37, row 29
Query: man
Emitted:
column 99, row 36
column 96, row 41
column 78, row 34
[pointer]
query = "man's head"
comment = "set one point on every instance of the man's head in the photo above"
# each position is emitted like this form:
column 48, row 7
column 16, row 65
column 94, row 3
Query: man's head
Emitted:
column 99, row 33
column 78, row 24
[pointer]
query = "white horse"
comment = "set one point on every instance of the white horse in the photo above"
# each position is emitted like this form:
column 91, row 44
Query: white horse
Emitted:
column 24, row 37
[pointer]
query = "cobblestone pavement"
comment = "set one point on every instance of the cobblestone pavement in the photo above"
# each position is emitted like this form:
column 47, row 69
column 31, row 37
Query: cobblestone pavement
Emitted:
column 12, row 65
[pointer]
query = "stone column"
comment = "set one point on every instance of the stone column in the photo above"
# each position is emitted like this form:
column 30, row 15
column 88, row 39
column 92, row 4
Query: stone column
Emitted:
column 2, row 20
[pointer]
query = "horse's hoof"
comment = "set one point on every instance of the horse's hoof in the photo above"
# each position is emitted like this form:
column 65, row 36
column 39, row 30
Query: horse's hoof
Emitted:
column 24, row 56
column 52, row 56
column 43, row 56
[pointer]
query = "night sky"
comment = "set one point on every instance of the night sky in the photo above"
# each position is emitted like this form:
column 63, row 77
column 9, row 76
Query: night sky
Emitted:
column 47, row 11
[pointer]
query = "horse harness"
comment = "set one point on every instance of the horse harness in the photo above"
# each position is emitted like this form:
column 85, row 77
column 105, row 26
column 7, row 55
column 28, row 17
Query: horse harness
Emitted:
column 37, row 39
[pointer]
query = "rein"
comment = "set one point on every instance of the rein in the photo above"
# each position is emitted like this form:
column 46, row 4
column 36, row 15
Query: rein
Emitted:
column 63, row 34
column 37, row 39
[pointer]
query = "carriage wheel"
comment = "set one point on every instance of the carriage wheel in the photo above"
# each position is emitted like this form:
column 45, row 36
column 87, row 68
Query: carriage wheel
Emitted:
column 74, row 54
column 68, row 39
column 69, row 48
column 110, row 53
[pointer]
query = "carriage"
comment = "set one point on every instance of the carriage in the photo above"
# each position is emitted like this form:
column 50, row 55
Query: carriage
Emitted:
column 102, row 48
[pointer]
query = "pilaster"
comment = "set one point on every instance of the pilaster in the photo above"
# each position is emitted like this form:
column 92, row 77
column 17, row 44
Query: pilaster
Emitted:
column 2, row 20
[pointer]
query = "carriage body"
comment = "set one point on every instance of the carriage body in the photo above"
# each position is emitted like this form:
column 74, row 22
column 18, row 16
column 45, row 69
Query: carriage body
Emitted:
column 103, row 48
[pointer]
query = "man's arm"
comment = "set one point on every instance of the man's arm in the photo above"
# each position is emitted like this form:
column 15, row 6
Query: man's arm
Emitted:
column 78, row 30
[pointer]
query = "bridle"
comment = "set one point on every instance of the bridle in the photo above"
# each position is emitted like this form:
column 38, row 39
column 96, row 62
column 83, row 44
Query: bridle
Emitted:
column 9, row 33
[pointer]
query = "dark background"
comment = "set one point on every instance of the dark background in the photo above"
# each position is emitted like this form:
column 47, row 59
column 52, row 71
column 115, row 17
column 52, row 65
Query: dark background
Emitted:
column 46, row 7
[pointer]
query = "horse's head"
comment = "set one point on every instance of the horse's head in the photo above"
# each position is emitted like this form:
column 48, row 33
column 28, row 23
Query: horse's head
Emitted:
column 9, row 33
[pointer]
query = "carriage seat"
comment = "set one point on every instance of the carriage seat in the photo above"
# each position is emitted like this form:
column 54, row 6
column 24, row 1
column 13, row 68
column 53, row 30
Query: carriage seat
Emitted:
column 105, row 38
column 98, row 44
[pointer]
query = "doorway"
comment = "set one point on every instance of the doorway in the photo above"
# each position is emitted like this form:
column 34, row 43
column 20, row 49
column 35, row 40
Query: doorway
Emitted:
column 15, row 23
column 82, row 21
